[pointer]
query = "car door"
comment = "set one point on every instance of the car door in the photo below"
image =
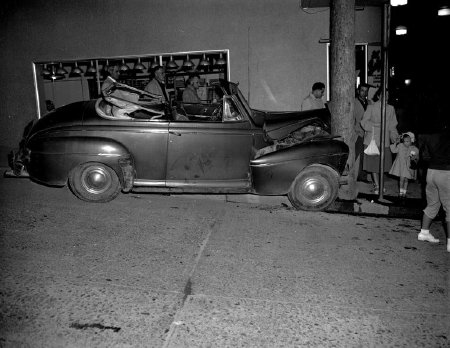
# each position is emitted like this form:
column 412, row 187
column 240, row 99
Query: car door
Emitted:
column 210, row 154
column 147, row 141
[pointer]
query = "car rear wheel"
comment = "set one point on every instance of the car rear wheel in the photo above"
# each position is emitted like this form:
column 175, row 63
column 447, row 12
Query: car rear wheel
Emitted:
column 315, row 188
column 94, row 182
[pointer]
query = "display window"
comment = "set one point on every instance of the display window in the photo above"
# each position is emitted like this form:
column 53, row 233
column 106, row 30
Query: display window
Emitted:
column 60, row 83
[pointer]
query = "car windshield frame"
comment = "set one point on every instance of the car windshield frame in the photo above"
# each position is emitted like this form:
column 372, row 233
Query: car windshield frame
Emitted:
column 243, row 101
column 232, row 89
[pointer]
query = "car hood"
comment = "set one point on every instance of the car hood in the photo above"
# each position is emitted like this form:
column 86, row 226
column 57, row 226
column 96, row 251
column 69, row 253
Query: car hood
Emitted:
column 64, row 116
column 278, row 125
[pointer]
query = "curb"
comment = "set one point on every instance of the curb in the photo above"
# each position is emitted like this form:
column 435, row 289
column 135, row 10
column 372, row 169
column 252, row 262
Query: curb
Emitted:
column 368, row 205
column 364, row 205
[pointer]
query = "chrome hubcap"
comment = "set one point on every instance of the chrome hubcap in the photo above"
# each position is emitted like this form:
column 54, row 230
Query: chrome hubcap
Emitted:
column 315, row 190
column 96, row 180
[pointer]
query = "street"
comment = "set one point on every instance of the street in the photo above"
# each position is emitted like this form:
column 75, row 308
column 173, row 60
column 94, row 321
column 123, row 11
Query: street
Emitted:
column 148, row 270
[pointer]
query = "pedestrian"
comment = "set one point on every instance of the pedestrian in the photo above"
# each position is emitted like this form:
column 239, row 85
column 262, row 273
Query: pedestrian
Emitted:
column 371, row 123
column 314, row 99
column 436, row 150
column 405, row 163
column 361, row 102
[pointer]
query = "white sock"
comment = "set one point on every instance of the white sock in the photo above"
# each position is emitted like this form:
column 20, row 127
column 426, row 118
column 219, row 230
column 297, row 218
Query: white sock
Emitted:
column 422, row 231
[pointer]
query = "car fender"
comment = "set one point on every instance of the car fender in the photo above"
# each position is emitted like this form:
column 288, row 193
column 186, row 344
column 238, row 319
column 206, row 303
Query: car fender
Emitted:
column 273, row 174
column 53, row 157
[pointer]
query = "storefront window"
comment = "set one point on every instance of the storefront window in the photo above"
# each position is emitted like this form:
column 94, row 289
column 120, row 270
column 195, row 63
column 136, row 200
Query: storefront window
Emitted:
column 60, row 83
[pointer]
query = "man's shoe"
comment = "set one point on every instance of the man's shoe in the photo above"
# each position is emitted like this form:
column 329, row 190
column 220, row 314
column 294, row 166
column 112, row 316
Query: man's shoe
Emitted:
column 428, row 237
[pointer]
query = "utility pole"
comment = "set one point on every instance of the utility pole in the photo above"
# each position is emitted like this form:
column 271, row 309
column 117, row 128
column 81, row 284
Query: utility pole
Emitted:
column 342, row 83
column 384, row 84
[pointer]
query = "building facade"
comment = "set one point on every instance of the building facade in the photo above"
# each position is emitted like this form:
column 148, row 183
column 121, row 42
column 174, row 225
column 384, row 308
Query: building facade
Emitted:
column 275, row 49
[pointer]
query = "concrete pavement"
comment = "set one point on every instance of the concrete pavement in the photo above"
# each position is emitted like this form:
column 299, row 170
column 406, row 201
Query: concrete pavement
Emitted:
column 171, row 271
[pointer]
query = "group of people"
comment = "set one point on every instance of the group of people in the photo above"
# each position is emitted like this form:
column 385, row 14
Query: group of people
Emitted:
column 157, row 84
column 367, row 126
column 434, row 149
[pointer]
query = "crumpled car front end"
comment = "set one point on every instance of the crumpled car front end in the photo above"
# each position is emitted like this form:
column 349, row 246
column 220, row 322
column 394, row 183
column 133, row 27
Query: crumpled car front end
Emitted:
column 301, row 159
column 286, row 129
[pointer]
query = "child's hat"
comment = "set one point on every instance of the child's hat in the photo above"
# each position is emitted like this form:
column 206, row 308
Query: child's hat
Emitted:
column 410, row 134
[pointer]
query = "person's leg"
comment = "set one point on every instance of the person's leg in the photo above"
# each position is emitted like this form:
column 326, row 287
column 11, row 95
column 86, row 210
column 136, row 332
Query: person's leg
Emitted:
column 431, row 210
column 448, row 233
column 401, row 192
column 359, row 152
column 375, row 181
column 405, row 186
column 442, row 179
column 426, row 222
column 424, row 234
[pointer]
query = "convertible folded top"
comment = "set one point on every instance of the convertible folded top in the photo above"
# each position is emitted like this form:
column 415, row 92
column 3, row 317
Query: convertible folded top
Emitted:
column 121, row 101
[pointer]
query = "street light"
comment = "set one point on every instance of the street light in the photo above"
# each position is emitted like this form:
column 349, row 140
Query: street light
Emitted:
column 398, row 2
column 444, row 11
column 401, row 30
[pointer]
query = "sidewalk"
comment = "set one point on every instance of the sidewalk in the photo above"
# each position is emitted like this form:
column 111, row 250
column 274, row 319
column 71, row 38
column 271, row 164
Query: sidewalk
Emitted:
column 367, row 202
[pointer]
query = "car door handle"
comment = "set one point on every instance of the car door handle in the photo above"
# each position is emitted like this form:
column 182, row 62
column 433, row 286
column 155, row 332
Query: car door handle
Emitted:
column 175, row 133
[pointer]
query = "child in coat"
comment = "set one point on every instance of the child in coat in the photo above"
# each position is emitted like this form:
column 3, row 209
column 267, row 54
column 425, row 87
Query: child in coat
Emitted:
column 405, row 163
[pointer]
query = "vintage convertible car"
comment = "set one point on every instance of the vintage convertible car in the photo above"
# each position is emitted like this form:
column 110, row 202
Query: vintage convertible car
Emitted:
column 115, row 143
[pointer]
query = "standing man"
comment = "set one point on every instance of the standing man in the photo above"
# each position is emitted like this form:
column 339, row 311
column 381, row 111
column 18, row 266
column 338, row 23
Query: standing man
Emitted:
column 190, row 92
column 157, row 84
column 361, row 102
column 314, row 99
column 436, row 149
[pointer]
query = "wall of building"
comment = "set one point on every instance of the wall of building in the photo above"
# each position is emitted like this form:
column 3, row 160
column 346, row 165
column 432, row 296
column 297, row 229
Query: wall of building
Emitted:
column 274, row 46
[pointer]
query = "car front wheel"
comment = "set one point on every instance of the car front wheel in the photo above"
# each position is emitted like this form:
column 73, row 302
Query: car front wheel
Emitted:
column 94, row 182
column 315, row 188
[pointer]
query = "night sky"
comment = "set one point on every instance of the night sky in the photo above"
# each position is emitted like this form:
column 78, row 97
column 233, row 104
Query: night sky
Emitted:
column 422, row 54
